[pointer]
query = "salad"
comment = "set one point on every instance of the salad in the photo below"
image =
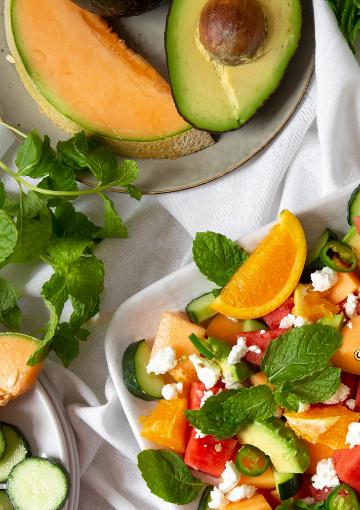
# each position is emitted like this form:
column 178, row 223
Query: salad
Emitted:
column 257, row 383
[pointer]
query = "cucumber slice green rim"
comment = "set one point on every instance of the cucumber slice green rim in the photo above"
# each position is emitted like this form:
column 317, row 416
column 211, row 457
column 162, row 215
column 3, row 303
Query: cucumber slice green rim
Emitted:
column 2, row 443
column 5, row 503
column 354, row 205
column 51, row 481
column 342, row 497
column 251, row 461
column 17, row 450
column 136, row 379
column 347, row 258
column 198, row 310
column 253, row 325
column 205, row 499
column 287, row 484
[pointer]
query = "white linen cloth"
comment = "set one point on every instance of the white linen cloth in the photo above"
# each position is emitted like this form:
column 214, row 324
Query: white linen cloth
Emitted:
column 317, row 153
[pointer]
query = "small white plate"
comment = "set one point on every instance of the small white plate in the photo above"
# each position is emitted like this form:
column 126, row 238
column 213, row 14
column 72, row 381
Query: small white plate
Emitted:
column 139, row 316
column 42, row 419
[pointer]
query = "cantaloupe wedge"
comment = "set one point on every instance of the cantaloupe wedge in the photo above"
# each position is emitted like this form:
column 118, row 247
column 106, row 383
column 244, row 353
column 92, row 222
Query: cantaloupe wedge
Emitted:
column 224, row 328
column 347, row 357
column 16, row 377
column 83, row 76
column 317, row 452
column 174, row 331
column 257, row 502
column 264, row 481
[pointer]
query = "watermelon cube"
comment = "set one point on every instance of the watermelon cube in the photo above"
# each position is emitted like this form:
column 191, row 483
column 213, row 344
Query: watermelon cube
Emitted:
column 347, row 465
column 274, row 318
column 196, row 392
column 260, row 340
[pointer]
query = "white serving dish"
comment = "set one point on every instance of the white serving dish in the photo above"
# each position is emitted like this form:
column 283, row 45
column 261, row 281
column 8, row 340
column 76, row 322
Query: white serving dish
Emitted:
column 139, row 316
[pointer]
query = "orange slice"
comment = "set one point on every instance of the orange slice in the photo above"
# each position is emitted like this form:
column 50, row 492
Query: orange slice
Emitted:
column 270, row 274
column 323, row 425
column 313, row 305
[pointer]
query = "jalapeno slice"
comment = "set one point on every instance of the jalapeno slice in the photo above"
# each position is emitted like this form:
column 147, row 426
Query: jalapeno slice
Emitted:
column 342, row 498
column 251, row 461
column 339, row 256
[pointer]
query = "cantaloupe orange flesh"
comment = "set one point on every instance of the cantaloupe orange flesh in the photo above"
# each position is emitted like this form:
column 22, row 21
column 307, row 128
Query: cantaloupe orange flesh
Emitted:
column 83, row 69
column 317, row 453
column 347, row 357
column 224, row 328
column 16, row 377
column 174, row 331
column 257, row 502
column 345, row 285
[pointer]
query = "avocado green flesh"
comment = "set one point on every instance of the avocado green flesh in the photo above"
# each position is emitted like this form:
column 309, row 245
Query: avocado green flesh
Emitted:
column 119, row 7
column 217, row 97
column 287, row 452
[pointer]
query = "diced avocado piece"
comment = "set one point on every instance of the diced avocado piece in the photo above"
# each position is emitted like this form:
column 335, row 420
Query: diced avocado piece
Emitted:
column 218, row 85
column 287, row 452
column 198, row 310
column 253, row 325
column 335, row 321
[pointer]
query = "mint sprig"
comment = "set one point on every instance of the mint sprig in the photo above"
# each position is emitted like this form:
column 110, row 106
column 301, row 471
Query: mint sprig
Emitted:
column 347, row 13
column 227, row 412
column 167, row 476
column 217, row 257
column 297, row 363
column 44, row 225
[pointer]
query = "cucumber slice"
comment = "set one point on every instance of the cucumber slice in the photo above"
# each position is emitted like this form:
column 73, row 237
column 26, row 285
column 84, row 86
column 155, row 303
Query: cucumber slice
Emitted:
column 313, row 262
column 354, row 205
column 136, row 379
column 202, row 346
column 253, row 325
column 37, row 483
column 287, row 484
column 17, row 449
column 335, row 321
column 205, row 499
column 198, row 310
column 2, row 443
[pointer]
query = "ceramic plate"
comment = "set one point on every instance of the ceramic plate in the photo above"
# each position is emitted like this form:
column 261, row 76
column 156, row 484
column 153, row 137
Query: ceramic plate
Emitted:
column 139, row 316
column 146, row 35
column 42, row 419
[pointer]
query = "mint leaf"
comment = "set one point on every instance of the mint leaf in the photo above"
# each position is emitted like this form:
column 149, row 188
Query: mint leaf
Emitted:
column 134, row 192
column 168, row 477
column 83, row 310
column 55, row 295
column 298, row 504
column 64, row 251
column 73, row 152
column 103, row 164
column 113, row 224
column 61, row 178
column 217, row 257
column 43, row 166
column 300, row 352
column 66, row 342
column 69, row 223
column 33, row 237
column 85, row 278
column 226, row 413
column 127, row 173
column 8, row 236
column 32, row 204
column 2, row 195
column 29, row 153
column 315, row 388
column 10, row 313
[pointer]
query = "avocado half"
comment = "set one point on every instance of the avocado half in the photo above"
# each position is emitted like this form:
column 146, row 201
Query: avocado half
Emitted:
column 119, row 7
column 219, row 76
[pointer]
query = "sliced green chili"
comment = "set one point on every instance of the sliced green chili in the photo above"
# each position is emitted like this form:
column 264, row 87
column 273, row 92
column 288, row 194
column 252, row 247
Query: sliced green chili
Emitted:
column 342, row 498
column 251, row 461
column 339, row 256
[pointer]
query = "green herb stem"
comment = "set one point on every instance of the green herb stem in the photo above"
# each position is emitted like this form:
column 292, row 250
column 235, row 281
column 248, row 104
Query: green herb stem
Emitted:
column 13, row 129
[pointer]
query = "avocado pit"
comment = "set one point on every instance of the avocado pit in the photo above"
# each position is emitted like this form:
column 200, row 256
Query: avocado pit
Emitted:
column 232, row 31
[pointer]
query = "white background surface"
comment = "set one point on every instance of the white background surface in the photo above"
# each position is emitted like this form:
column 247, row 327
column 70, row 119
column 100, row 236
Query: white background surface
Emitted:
column 318, row 153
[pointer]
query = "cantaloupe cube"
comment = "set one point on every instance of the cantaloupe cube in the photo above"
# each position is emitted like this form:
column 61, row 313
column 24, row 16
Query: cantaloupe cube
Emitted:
column 345, row 285
column 16, row 377
column 224, row 328
column 347, row 357
column 317, row 452
column 257, row 502
column 174, row 331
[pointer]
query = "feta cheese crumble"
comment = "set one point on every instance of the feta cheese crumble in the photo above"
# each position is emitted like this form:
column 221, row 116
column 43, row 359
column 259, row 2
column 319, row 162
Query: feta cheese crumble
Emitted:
column 218, row 448
column 199, row 434
column 350, row 305
column 339, row 396
column 207, row 394
column 262, row 331
column 172, row 391
column 217, row 499
column 163, row 361
column 229, row 382
column 353, row 435
column 207, row 371
column 229, row 478
column 349, row 325
column 325, row 475
column 255, row 349
column 241, row 492
column 238, row 351
column 291, row 320
column 324, row 279
column 303, row 408
column 351, row 404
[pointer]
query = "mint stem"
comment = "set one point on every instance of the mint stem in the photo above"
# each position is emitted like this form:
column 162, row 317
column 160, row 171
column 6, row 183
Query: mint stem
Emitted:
column 11, row 128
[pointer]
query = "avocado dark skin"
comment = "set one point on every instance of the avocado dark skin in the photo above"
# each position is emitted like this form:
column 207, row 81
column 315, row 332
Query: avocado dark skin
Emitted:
column 108, row 8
